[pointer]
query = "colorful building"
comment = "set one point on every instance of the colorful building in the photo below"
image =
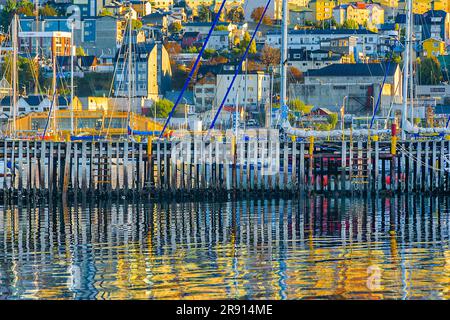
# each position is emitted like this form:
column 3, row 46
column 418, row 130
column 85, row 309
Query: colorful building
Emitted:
column 433, row 47
column 421, row 6
column 361, row 13
column 323, row 9
column 388, row 3
column 162, row 4
column 108, row 123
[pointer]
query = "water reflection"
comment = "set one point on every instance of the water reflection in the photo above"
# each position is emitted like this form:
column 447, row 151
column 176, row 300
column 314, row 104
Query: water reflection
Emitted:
column 319, row 247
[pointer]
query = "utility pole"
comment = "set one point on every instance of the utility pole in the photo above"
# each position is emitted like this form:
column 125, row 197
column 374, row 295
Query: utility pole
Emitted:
column 406, row 68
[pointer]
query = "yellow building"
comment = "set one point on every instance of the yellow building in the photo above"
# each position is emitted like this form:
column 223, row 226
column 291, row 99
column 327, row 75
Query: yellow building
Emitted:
column 433, row 47
column 421, row 6
column 388, row 3
column 107, row 123
column 162, row 4
column 322, row 9
column 142, row 8
column 441, row 5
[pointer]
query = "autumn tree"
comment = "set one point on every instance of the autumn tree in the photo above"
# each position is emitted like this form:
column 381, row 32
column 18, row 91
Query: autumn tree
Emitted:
column 295, row 74
column 256, row 16
column 172, row 47
column 270, row 56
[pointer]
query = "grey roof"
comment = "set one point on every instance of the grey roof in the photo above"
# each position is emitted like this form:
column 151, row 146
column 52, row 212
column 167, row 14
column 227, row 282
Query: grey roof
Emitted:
column 205, row 24
column 34, row 100
column 326, row 31
column 191, row 34
column 6, row 101
column 353, row 69
column 188, row 96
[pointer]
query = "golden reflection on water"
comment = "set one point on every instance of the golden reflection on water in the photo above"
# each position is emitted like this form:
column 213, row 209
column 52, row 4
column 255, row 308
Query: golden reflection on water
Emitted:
column 315, row 248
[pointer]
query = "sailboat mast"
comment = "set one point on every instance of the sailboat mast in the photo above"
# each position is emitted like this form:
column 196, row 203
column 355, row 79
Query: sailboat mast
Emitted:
column 283, row 56
column 406, row 68
column 130, row 23
column 411, row 72
column 36, row 8
column 54, row 93
column 14, row 74
column 71, row 77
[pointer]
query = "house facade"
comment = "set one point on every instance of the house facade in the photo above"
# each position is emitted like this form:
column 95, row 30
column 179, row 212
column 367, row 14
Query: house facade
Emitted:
column 357, row 85
column 367, row 41
column 250, row 88
column 151, row 71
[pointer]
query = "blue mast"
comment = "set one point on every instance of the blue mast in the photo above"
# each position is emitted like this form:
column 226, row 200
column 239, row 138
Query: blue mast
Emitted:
column 194, row 67
column 238, row 68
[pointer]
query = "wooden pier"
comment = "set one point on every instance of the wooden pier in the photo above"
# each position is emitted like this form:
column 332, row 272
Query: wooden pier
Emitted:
column 190, row 167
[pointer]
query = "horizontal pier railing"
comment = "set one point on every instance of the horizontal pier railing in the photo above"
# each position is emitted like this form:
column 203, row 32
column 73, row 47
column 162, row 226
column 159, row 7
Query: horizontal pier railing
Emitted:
column 190, row 166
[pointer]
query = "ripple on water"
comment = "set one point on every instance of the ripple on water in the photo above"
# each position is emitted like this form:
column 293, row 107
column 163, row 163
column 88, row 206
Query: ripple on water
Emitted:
column 321, row 248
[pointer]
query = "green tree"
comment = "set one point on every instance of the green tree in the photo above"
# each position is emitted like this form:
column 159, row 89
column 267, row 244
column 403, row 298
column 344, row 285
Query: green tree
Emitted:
column 79, row 51
column 175, row 27
column 350, row 24
column 245, row 41
column 27, row 71
column 209, row 53
column 136, row 24
column 298, row 105
column 430, row 71
column 25, row 7
column 48, row 11
column 204, row 14
column 22, row 7
column 333, row 120
column 221, row 28
column 163, row 108
column 105, row 13
column 235, row 15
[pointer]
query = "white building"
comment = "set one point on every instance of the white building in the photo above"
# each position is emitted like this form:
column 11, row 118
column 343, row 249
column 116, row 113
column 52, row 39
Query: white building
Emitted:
column 367, row 41
column 219, row 40
column 31, row 103
column 250, row 88
column 205, row 93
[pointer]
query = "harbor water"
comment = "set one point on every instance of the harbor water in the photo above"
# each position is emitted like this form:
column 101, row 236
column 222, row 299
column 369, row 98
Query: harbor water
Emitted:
column 318, row 247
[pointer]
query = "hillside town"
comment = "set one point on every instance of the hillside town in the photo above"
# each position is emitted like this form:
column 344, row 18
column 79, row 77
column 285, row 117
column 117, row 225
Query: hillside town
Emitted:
column 340, row 53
